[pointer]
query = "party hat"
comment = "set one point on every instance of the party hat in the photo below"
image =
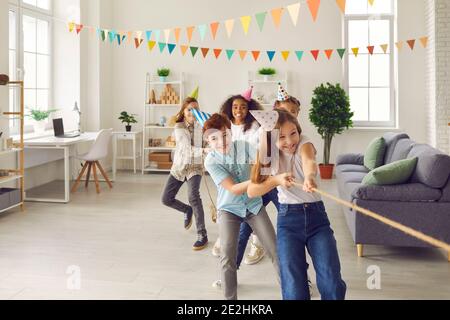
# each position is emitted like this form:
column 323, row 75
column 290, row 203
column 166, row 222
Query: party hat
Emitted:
column 247, row 95
column 282, row 94
column 194, row 93
column 267, row 119
column 201, row 116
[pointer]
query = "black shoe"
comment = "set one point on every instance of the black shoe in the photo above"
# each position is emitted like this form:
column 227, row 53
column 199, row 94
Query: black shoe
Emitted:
column 201, row 243
column 188, row 219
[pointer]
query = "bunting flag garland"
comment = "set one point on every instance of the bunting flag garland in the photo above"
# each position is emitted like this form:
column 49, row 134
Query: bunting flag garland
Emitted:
column 157, row 34
column 171, row 47
column 230, row 53
column 71, row 26
column 162, row 46
column 255, row 55
column 285, row 55
column 261, row 19
column 355, row 52
column 399, row 45
column 424, row 41
column 229, row 25
column 217, row 53
column 341, row 52
column 150, row 45
column 202, row 31
column 384, row 47
column 176, row 33
column 204, row 52
column 370, row 49
column 189, row 32
column 138, row 42
column 148, row 34
column 371, row 2
column 183, row 49
column 78, row 28
column 411, row 43
column 167, row 34
column 299, row 55
column 242, row 54
column 194, row 51
column 294, row 10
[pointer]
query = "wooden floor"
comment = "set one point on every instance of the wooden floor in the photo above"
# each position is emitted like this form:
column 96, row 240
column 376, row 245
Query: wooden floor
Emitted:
column 128, row 246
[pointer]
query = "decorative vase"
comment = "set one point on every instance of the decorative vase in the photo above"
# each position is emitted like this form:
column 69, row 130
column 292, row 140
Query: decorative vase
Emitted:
column 326, row 171
column 39, row 126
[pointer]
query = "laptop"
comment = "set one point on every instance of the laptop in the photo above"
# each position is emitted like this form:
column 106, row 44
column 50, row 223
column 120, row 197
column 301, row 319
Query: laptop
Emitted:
column 58, row 127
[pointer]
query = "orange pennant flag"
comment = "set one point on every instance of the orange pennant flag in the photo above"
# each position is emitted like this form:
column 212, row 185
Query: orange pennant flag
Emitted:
column 183, row 49
column 255, row 55
column 370, row 49
column 242, row 54
column 204, row 52
column 355, row 51
column 138, row 42
column 371, row 2
column 329, row 53
column 189, row 31
column 315, row 54
column 176, row 32
column 276, row 16
column 314, row 8
column 399, row 45
column 217, row 52
column 411, row 43
column 130, row 36
column 285, row 55
column 424, row 41
column 384, row 47
column 341, row 5
column 214, row 27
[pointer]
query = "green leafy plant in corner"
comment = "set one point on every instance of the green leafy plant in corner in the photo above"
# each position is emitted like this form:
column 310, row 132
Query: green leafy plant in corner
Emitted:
column 267, row 71
column 127, row 118
column 40, row 115
column 163, row 72
column 330, row 114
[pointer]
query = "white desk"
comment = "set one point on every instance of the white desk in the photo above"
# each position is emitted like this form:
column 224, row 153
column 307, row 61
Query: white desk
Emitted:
column 64, row 144
column 127, row 136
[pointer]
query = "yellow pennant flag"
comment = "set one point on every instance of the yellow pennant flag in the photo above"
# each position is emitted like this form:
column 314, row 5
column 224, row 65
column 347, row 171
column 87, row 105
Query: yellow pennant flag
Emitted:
column 384, row 47
column 355, row 51
column 341, row 4
column 183, row 49
column 276, row 16
column 371, row 2
column 229, row 25
column 242, row 54
column 294, row 10
column 285, row 55
column 399, row 45
column 424, row 41
column 71, row 26
column 151, row 44
column 245, row 21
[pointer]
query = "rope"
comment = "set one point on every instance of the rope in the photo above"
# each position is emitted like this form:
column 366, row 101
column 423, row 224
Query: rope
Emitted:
column 409, row 231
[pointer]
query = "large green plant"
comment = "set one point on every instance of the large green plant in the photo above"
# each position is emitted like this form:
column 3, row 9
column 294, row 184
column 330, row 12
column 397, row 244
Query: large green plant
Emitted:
column 330, row 113
column 40, row 115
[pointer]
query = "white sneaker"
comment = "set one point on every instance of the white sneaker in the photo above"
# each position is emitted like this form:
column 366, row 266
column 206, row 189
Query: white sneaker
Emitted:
column 217, row 284
column 255, row 255
column 216, row 249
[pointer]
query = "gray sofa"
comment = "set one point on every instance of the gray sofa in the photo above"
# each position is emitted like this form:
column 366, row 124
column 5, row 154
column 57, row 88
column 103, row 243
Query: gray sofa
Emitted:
column 422, row 204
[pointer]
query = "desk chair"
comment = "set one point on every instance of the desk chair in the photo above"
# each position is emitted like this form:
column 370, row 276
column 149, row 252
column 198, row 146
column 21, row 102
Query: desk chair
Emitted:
column 98, row 151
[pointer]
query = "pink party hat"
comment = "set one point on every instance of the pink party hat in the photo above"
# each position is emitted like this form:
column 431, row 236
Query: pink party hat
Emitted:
column 247, row 95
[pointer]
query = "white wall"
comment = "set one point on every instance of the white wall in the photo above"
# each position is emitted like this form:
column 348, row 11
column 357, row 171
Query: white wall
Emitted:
column 4, row 66
column 219, row 79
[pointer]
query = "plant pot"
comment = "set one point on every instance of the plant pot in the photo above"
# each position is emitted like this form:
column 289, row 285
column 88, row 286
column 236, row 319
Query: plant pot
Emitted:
column 128, row 128
column 162, row 79
column 326, row 171
column 39, row 126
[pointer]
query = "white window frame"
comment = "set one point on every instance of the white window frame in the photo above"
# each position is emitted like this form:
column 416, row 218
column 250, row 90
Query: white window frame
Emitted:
column 393, row 122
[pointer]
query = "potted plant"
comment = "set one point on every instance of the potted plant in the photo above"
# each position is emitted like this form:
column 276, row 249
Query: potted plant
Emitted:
column 40, row 117
column 163, row 73
column 128, row 119
column 267, row 73
column 331, row 115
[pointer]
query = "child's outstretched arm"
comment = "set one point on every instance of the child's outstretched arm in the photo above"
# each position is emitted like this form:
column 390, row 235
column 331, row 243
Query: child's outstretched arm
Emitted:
column 237, row 189
column 308, row 155
column 259, row 189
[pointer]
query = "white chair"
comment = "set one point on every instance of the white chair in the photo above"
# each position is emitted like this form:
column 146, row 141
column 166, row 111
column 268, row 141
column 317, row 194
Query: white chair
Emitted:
column 98, row 151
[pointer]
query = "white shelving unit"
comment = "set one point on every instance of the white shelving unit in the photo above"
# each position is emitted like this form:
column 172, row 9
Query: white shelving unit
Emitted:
column 267, row 88
column 152, row 116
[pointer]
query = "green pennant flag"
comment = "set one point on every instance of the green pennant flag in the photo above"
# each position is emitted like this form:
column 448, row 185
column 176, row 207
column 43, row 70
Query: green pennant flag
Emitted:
column 261, row 18
column 299, row 55
column 230, row 53
column 103, row 35
column 162, row 46
column 193, row 51
column 341, row 52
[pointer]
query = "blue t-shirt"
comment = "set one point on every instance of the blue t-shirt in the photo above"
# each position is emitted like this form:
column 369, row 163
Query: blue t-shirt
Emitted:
column 236, row 165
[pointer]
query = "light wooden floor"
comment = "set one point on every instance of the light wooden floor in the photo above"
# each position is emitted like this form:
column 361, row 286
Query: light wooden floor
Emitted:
column 129, row 246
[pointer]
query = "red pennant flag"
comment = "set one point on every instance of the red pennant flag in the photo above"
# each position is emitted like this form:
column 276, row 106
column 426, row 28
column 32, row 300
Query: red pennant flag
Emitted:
column 217, row 53
column 138, row 42
column 79, row 27
column 214, row 26
column 370, row 49
column 255, row 55
column 315, row 54
column 328, row 53
column 411, row 43
column 204, row 52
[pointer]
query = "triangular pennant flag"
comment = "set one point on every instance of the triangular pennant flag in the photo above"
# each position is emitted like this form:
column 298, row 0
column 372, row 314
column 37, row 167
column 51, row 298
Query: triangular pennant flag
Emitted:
column 183, row 49
column 111, row 35
column 217, row 53
column 139, row 34
column 341, row 52
column 399, row 45
column 202, row 31
column 229, row 25
column 245, row 21
column 424, row 41
column 299, row 55
column 242, row 54
column 341, row 5
column 270, row 54
column 371, row 2
column 124, row 36
column 329, row 53
column 355, row 51
column 79, row 27
column 167, row 34
column 260, row 19
column 151, row 44
column 255, row 55
column 171, row 47
column 119, row 39
column 148, row 34
column 411, row 43
column 214, row 27
column 71, row 26
column 315, row 54
column 230, row 53
column 194, row 51
column 189, row 32
column 276, row 16
column 384, row 47
column 130, row 36
column 370, row 49
column 162, row 46
column 294, row 10
column 204, row 52
column 314, row 8
column 157, row 33
column 285, row 55
column 138, row 42
column 102, row 34
column 176, row 32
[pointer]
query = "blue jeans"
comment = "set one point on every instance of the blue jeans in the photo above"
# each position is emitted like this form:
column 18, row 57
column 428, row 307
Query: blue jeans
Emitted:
column 246, row 231
column 307, row 225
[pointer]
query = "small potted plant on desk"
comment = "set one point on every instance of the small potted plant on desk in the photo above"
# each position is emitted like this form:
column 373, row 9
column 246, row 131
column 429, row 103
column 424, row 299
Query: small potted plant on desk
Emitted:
column 163, row 73
column 331, row 115
column 128, row 119
column 267, row 73
column 40, row 117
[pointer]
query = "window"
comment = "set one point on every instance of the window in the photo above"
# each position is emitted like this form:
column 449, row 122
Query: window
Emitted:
column 370, row 77
column 30, row 53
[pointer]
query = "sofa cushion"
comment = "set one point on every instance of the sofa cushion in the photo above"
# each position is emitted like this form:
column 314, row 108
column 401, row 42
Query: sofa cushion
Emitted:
column 352, row 176
column 391, row 140
column 401, row 150
column 433, row 166
column 374, row 155
column 350, row 158
column 352, row 168
column 394, row 173
column 403, row 192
